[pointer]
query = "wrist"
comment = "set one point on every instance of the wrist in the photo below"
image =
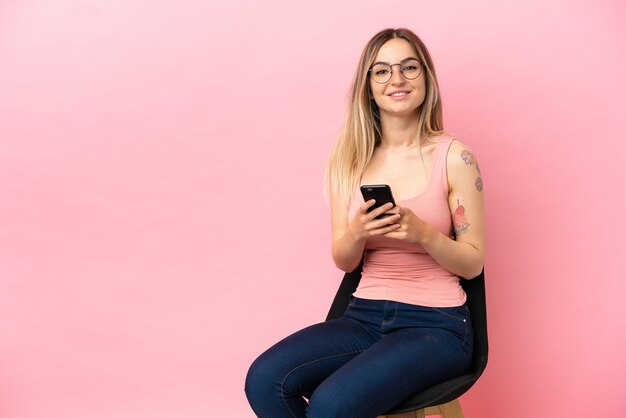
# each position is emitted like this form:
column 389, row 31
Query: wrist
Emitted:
column 353, row 235
column 428, row 236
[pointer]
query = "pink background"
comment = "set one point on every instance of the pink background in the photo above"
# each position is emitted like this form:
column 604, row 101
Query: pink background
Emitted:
column 162, row 220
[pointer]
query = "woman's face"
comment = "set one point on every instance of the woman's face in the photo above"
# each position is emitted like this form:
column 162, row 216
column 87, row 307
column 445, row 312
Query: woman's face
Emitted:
column 398, row 96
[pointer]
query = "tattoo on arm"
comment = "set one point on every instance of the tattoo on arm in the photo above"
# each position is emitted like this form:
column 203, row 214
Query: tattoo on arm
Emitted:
column 468, row 157
column 459, row 220
column 479, row 184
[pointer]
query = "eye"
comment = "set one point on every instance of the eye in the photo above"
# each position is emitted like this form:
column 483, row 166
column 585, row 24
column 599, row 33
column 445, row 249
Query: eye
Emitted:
column 382, row 72
column 410, row 68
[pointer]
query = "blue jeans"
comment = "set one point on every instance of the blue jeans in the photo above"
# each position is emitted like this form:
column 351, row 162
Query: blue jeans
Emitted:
column 362, row 364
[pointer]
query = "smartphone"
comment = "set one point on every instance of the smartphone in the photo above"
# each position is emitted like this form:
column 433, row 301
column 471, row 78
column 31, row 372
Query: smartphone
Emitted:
column 379, row 192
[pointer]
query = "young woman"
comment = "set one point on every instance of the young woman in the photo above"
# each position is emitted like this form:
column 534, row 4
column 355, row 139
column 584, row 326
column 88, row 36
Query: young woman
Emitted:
column 407, row 326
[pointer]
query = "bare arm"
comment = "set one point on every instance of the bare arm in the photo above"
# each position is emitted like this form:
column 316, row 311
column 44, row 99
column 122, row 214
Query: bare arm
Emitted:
column 463, row 256
column 349, row 237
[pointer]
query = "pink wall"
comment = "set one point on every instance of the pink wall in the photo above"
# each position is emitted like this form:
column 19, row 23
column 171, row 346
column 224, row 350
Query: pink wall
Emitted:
column 161, row 214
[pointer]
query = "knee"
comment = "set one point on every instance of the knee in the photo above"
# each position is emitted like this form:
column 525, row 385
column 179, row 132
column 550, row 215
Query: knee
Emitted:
column 258, row 380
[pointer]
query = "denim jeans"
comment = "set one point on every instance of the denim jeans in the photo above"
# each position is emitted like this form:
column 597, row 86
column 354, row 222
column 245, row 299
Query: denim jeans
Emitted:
column 376, row 355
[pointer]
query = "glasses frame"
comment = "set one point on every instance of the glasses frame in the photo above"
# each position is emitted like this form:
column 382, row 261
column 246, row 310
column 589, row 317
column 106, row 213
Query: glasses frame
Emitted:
column 401, row 63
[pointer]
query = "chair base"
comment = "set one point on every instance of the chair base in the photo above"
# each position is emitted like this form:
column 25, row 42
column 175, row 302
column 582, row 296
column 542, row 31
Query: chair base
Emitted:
column 446, row 410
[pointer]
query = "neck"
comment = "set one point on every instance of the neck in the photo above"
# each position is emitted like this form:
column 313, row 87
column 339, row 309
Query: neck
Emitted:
column 399, row 131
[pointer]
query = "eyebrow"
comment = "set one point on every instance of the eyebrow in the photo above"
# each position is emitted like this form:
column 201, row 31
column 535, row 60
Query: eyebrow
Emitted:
column 401, row 62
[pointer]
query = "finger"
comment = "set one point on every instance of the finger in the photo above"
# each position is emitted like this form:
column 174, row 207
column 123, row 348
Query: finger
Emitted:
column 380, row 223
column 385, row 230
column 366, row 205
column 393, row 218
column 396, row 233
column 380, row 210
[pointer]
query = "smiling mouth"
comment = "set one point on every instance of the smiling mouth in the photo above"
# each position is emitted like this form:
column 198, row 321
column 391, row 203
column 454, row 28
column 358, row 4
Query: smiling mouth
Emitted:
column 399, row 93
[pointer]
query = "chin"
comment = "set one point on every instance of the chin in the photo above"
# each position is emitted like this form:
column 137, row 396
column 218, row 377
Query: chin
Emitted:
column 406, row 111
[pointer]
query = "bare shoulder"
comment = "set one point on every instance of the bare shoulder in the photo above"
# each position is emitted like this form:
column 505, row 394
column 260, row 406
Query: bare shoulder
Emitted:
column 461, row 159
column 462, row 164
column 459, row 149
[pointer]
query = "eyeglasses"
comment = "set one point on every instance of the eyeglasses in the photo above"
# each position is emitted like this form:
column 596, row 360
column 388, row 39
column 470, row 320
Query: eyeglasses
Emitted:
column 410, row 68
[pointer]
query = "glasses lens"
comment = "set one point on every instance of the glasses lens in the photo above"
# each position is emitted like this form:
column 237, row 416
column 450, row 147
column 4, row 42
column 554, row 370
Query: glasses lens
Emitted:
column 381, row 73
column 411, row 69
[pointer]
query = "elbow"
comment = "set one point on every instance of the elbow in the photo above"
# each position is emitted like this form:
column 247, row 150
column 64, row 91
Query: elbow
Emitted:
column 474, row 267
column 345, row 266
column 469, row 274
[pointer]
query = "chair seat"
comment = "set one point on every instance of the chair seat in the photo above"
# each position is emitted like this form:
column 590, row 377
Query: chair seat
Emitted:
column 436, row 395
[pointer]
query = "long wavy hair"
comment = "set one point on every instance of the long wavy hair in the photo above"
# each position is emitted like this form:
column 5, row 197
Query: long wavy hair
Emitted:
column 361, row 131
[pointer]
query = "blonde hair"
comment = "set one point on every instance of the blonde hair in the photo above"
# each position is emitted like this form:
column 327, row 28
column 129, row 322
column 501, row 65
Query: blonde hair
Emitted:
column 361, row 131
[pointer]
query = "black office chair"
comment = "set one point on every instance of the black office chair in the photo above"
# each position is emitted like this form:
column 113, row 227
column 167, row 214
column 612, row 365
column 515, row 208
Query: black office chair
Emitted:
column 441, row 399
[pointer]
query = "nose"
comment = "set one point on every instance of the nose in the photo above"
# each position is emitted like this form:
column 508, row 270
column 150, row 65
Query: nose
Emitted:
column 396, row 75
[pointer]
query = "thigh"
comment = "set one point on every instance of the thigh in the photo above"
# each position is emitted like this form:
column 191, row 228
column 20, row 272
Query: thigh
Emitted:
column 390, row 371
column 300, row 362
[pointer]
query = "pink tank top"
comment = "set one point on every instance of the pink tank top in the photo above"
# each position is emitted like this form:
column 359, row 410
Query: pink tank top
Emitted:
column 404, row 272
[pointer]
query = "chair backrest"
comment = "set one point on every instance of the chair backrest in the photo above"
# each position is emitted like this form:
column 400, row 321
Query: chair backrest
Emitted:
column 446, row 391
column 342, row 297
column 476, row 302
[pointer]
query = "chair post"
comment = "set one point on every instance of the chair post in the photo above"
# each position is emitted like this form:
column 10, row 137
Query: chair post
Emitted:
column 451, row 409
column 447, row 410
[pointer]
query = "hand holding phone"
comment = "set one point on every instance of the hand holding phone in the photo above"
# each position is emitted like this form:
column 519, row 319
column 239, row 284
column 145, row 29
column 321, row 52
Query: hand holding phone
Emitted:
column 379, row 192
